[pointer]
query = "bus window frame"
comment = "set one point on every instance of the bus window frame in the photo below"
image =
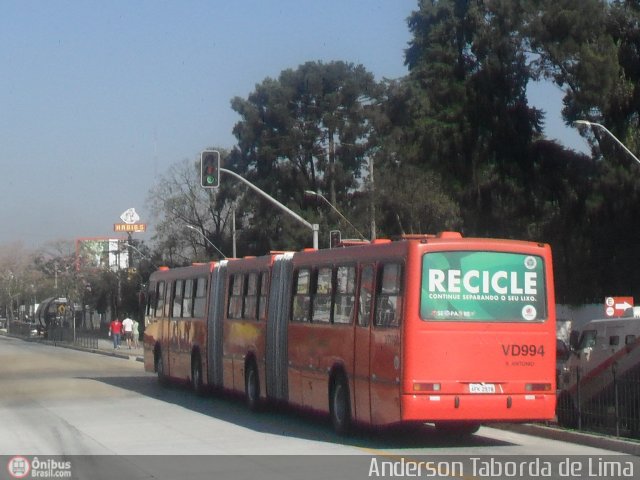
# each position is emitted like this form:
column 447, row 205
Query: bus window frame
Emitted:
column 176, row 298
column 350, row 267
column 371, row 300
column 263, row 294
column 200, row 296
column 305, row 296
column 250, row 298
column 322, row 312
column 235, row 303
column 188, row 296
column 380, row 296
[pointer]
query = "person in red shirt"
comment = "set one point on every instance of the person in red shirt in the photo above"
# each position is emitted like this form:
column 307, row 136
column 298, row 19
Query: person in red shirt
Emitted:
column 115, row 330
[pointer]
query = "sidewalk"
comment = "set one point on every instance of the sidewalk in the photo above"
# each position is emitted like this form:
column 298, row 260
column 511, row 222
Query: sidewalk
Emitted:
column 105, row 347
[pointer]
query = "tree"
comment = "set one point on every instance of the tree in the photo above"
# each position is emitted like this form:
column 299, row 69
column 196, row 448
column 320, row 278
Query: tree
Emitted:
column 19, row 280
column 590, row 49
column 309, row 129
column 190, row 218
column 474, row 125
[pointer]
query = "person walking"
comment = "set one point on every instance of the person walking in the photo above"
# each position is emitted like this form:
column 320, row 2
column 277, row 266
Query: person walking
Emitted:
column 136, row 334
column 115, row 330
column 127, row 325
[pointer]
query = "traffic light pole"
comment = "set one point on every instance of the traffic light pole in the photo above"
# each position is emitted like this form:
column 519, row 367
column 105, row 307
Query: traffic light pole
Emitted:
column 314, row 227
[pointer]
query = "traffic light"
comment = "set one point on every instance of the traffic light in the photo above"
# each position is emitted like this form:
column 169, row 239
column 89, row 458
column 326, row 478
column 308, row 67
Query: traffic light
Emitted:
column 210, row 169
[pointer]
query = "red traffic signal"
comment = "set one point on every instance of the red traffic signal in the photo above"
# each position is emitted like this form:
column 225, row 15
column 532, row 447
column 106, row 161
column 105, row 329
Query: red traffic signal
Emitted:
column 210, row 169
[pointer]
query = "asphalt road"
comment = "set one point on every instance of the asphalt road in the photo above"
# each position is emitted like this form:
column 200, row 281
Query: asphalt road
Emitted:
column 113, row 420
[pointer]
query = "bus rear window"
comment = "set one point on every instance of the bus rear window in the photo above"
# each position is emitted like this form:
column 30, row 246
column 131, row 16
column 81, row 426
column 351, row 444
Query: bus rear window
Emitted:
column 482, row 286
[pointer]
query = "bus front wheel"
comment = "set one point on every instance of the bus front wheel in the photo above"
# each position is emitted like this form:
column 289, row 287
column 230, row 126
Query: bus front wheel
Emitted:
column 162, row 379
column 252, row 387
column 196, row 374
column 339, row 405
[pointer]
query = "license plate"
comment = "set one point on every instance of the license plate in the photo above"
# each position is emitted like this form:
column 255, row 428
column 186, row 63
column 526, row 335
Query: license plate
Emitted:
column 482, row 388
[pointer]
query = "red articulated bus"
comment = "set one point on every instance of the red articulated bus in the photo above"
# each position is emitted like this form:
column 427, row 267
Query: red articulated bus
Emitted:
column 440, row 329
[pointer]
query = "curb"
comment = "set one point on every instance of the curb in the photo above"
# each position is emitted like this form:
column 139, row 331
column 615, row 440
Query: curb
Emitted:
column 124, row 356
column 628, row 446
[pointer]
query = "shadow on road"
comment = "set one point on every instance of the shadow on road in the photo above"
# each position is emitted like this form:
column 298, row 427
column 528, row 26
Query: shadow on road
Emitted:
column 296, row 423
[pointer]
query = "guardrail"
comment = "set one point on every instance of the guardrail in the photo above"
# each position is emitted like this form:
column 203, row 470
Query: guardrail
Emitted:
column 79, row 337
column 56, row 334
column 613, row 410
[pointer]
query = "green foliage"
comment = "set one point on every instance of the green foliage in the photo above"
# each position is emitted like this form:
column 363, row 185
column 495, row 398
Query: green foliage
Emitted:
column 308, row 130
column 453, row 145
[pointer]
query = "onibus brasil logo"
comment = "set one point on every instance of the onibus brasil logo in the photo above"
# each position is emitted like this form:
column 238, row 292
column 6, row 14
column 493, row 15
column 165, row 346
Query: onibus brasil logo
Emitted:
column 21, row 467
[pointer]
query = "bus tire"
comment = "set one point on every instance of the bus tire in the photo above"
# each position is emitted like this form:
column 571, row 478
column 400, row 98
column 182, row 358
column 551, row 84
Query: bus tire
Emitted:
column 196, row 374
column 340, row 405
column 252, row 386
column 162, row 378
column 457, row 428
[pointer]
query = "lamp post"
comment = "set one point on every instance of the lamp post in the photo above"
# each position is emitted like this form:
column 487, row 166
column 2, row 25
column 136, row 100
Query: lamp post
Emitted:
column 314, row 227
column 312, row 194
column 191, row 227
column 129, row 245
column 606, row 130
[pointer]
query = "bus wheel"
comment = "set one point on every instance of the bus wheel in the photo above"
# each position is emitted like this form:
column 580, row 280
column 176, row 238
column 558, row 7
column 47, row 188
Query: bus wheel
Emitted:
column 160, row 368
column 566, row 411
column 196, row 374
column 252, row 386
column 339, row 405
column 457, row 428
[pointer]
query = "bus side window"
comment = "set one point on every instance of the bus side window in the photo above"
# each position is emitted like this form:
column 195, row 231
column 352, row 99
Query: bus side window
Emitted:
column 302, row 296
column 264, row 291
column 389, row 300
column 187, row 299
column 345, row 294
column 323, row 294
column 366, row 296
column 177, row 299
column 629, row 339
column 200, row 302
column 168, row 299
column 152, row 298
column 251, row 297
column 236, row 290
column 614, row 340
column 160, row 297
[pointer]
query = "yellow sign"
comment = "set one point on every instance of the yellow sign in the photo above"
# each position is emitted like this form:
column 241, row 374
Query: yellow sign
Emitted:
column 129, row 227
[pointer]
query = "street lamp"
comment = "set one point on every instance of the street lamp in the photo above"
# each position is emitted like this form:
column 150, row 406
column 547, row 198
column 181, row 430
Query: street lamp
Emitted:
column 129, row 245
column 316, row 195
column 314, row 227
column 594, row 124
column 191, row 227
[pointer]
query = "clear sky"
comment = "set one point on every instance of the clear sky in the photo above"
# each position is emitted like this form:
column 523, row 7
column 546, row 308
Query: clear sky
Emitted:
column 98, row 98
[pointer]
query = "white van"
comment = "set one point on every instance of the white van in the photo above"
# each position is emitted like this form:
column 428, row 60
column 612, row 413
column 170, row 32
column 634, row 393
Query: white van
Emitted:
column 606, row 349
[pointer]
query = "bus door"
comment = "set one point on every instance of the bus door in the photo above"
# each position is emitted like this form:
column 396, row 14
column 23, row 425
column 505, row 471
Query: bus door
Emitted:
column 166, row 327
column 362, row 345
column 173, row 343
column 385, row 345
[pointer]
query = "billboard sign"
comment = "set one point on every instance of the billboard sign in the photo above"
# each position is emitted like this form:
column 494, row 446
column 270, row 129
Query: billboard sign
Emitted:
column 483, row 286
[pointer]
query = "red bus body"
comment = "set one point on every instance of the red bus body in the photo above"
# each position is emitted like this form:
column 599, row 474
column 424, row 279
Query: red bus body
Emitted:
column 441, row 329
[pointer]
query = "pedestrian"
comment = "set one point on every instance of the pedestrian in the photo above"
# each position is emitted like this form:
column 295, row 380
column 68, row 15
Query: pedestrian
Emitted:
column 136, row 334
column 127, row 325
column 115, row 330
